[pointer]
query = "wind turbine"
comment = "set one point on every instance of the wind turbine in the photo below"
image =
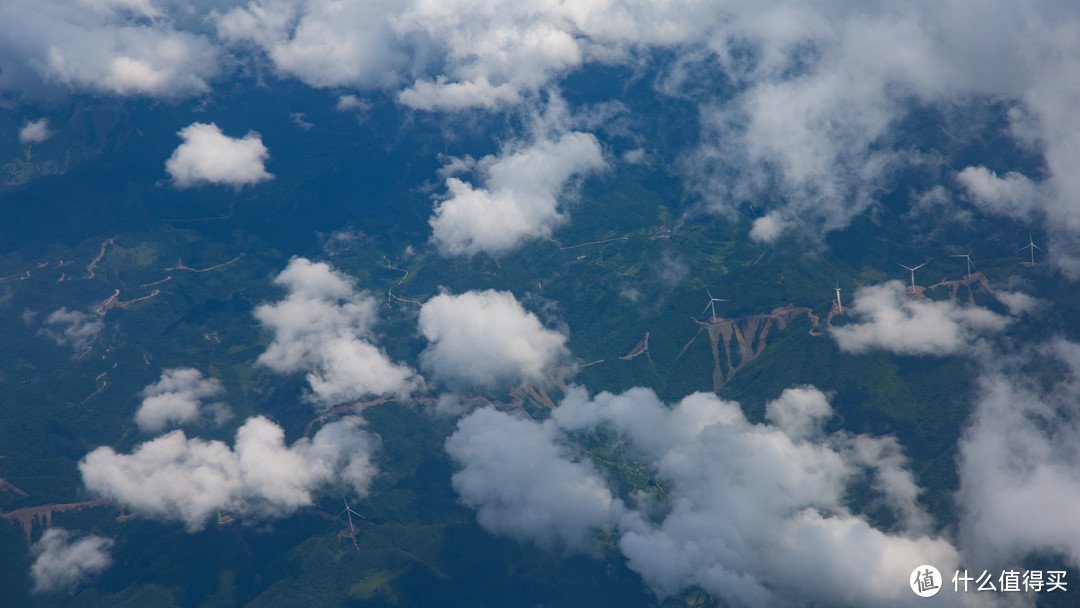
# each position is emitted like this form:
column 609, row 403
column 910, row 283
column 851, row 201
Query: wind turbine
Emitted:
column 710, row 306
column 913, row 272
column 1032, row 246
column 839, row 306
column 348, row 511
column 967, row 256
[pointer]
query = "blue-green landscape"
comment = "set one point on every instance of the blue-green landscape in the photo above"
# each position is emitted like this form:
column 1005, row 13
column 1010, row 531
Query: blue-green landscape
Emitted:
column 334, row 303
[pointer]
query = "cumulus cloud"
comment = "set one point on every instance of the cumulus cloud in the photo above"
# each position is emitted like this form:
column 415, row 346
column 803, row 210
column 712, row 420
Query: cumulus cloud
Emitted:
column 178, row 398
column 35, row 131
column 519, row 198
column 208, row 156
column 887, row 318
column 324, row 327
column 486, row 339
column 755, row 514
column 523, row 483
column 73, row 328
column 176, row 478
column 1018, row 458
column 64, row 564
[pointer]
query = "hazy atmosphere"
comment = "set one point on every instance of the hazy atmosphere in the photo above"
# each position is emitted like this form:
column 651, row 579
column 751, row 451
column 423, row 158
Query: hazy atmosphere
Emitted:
column 600, row 303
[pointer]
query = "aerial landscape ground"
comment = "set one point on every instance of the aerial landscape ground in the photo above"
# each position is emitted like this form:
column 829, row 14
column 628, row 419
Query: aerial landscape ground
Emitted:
column 387, row 304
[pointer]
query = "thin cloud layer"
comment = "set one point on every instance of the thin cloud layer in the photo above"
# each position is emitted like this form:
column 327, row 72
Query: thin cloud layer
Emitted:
column 325, row 327
column 519, row 199
column 65, row 564
column 808, row 121
column 179, row 398
column 887, row 318
column 72, row 327
column 208, row 156
column 756, row 514
column 1018, row 459
column 321, row 43
column 486, row 339
column 1012, row 195
column 177, row 478
column 117, row 47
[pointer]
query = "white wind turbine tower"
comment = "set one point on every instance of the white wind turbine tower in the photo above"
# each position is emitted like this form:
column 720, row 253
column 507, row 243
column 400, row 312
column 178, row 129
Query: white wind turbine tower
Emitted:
column 913, row 272
column 348, row 511
column 1032, row 246
column 839, row 306
column 966, row 256
column 711, row 305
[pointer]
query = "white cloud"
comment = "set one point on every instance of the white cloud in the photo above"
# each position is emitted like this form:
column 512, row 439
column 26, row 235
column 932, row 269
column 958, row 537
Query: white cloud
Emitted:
column 113, row 47
column 71, row 327
column 522, row 483
column 324, row 327
column 755, row 514
column 887, row 318
column 810, row 128
column 486, row 339
column 176, row 478
column 298, row 119
column 519, row 199
column 35, row 131
column 208, row 156
column 1018, row 302
column 63, row 564
column 178, row 399
column 768, row 228
column 1013, row 195
column 1018, row 460
column 321, row 42
column 637, row 156
column 351, row 103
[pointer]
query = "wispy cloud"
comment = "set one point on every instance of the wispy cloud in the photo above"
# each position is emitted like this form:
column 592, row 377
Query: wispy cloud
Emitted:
column 65, row 564
column 1018, row 459
column 72, row 327
column 887, row 318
